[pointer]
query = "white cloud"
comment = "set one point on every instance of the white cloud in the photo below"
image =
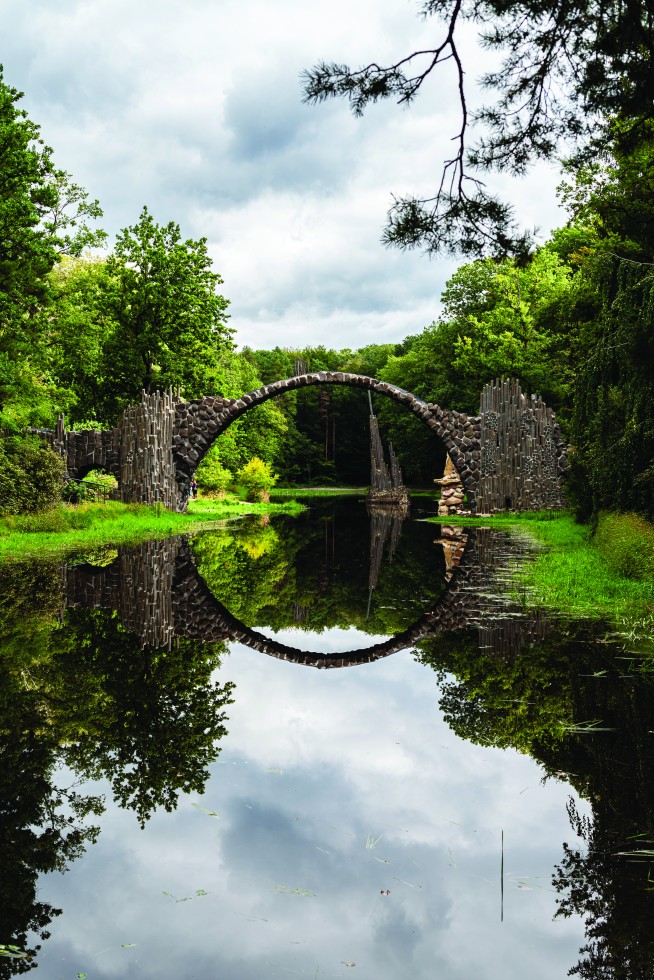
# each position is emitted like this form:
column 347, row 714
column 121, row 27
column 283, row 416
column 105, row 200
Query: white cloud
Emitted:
column 341, row 783
column 195, row 110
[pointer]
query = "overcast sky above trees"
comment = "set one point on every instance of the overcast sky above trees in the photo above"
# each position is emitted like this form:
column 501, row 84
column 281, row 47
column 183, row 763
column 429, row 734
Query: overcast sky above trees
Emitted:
column 195, row 109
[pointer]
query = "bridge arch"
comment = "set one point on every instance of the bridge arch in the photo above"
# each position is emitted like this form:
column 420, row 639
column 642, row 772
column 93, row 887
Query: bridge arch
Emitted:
column 198, row 423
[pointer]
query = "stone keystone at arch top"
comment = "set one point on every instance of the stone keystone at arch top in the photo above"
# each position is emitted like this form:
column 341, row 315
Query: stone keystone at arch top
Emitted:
column 512, row 452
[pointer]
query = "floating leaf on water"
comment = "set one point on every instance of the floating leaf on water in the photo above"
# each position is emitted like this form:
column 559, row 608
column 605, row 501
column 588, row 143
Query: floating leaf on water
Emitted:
column 210, row 813
column 403, row 882
column 273, row 769
column 128, row 945
column 201, row 891
column 13, row 952
column 283, row 890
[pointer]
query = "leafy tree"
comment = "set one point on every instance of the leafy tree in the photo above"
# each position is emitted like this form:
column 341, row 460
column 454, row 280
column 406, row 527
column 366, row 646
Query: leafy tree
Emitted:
column 611, row 329
column 75, row 326
column 260, row 432
column 42, row 216
column 569, row 68
column 498, row 319
column 613, row 424
column 170, row 323
column 212, row 476
column 612, row 194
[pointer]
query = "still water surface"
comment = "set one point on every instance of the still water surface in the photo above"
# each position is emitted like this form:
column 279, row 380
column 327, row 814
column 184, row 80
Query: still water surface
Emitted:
column 186, row 796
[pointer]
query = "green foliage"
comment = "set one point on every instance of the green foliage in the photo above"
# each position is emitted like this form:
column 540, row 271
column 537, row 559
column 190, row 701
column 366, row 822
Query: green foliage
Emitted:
column 495, row 322
column 170, row 323
column 78, row 324
column 212, row 476
column 613, row 423
column 30, row 476
column 578, row 576
column 257, row 479
column 523, row 703
column 42, row 216
column 626, row 542
column 260, row 432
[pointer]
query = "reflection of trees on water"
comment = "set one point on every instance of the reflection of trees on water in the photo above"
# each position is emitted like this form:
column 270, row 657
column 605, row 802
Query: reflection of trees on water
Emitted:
column 615, row 771
column 317, row 576
column 119, row 696
column 540, row 701
column 80, row 692
column 385, row 528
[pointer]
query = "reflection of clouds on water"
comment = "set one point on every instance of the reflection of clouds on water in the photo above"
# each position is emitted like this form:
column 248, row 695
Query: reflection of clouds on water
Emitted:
column 323, row 778
column 327, row 641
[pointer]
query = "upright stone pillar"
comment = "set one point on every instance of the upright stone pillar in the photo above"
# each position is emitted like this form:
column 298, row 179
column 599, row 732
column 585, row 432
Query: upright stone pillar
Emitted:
column 523, row 456
column 147, row 471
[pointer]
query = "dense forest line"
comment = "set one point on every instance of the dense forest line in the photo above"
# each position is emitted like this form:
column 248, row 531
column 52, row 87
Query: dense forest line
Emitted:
column 83, row 330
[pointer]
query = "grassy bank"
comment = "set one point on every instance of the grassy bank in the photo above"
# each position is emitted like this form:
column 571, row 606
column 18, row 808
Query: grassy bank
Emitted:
column 608, row 574
column 66, row 528
column 292, row 492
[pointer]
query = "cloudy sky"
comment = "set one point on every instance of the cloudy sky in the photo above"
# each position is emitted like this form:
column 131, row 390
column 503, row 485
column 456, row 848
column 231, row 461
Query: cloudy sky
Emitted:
column 194, row 108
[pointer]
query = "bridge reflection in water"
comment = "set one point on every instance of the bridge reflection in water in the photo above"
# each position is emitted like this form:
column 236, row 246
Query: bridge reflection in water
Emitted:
column 160, row 596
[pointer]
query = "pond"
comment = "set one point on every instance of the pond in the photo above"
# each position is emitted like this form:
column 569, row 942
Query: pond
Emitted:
column 337, row 745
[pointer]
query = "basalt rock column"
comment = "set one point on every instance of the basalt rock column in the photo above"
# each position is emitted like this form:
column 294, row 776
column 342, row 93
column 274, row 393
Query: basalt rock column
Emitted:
column 147, row 470
column 523, row 456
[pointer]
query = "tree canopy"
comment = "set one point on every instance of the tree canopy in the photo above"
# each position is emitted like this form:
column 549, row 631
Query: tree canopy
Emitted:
column 568, row 69
column 170, row 324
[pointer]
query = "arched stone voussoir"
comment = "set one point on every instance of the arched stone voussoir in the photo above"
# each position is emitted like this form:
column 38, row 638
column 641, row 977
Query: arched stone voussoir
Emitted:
column 200, row 422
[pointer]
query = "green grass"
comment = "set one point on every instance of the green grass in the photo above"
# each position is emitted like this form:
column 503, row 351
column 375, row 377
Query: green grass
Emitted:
column 627, row 544
column 317, row 491
column 66, row 528
column 608, row 575
column 575, row 575
column 505, row 518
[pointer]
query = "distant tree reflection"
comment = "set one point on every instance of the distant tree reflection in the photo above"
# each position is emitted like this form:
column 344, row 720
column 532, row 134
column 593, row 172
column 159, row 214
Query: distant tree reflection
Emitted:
column 80, row 699
column 545, row 701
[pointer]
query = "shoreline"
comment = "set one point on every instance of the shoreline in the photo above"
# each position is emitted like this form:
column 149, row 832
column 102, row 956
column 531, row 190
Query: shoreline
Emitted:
column 68, row 528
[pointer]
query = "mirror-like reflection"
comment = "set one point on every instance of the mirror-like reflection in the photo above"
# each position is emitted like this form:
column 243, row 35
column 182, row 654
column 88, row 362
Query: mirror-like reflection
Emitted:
column 391, row 816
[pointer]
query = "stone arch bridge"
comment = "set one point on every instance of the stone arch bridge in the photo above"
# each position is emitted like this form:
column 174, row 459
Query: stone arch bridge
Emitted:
column 511, row 454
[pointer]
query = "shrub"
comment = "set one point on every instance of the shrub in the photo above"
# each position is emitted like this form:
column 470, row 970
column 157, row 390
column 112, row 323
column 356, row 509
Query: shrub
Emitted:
column 627, row 544
column 212, row 476
column 30, row 476
column 257, row 479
